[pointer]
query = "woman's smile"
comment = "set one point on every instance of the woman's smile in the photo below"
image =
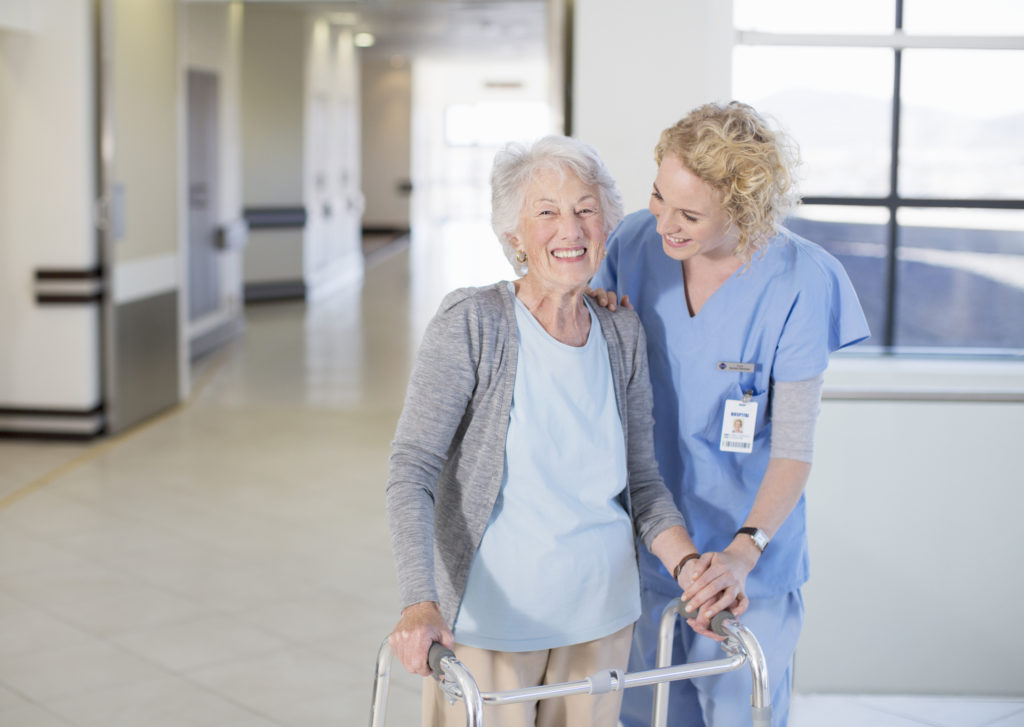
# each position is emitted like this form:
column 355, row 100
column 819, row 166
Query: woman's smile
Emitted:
column 573, row 253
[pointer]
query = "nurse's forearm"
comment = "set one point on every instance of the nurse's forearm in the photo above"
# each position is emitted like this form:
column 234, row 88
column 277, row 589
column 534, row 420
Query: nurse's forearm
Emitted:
column 783, row 484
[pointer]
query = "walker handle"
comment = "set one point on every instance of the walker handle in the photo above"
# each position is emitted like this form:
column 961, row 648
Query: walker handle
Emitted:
column 437, row 652
column 716, row 621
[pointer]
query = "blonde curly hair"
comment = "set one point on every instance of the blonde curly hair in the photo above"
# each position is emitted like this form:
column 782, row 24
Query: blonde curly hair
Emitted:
column 732, row 148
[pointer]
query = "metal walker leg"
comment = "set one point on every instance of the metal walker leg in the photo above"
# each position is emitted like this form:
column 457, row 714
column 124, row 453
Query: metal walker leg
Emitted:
column 739, row 640
column 457, row 683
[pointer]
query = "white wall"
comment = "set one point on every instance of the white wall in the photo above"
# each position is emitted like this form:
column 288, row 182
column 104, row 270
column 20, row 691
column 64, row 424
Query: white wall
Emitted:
column 332, row 252
column 915, row 513
column 914, row 510
column 147, row 103
column 387, row 132
column 47, row 188
column 18, row 15
column 639, row 69
column 273, row 91
column 272, row 135
column 301, row 146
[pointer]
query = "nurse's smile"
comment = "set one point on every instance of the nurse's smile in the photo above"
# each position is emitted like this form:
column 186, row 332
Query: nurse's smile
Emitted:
column 691, row 218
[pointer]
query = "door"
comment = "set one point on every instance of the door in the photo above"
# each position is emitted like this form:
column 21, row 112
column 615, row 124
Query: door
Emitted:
column 203, row 155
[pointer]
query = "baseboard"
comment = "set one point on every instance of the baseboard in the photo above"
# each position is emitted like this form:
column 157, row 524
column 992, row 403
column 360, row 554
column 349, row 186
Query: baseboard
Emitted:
column 47, row 423
column 275, row 290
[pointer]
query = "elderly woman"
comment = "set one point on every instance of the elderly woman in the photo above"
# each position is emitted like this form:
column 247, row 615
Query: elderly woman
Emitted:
column 522, row 468
column 742, row 316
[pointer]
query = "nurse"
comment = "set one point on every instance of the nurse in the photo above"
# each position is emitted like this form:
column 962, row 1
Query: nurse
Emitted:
column 741, row 316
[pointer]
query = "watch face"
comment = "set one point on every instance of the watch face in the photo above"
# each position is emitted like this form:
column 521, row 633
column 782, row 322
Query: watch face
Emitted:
column 760, row 538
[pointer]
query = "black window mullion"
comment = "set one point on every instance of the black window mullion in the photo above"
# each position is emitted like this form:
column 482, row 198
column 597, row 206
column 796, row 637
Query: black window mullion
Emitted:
column 944, row 203
column 889, row 335
column 892, row 203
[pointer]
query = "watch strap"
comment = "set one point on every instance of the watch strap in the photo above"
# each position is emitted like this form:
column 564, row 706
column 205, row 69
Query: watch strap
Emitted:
column 759, row 536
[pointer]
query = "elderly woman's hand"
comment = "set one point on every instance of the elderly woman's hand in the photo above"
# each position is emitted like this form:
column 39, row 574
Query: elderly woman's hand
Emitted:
column 420, row 626
column 716, row 582
column 608, row 299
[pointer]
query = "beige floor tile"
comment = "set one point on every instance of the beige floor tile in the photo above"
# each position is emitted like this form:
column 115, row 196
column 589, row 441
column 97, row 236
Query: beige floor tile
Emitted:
column 168, row 702
column 251, row 721
column 24, row 553
column 46, row 675
column 9, row 700
column 25, row 461
column 271, row 684
column 100, row 601
column 48, row 515
column 25, row 628
column 208, row 641
column 31, row 715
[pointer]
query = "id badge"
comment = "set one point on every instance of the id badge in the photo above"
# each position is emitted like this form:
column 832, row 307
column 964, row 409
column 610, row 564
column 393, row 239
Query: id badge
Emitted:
column 738, row 425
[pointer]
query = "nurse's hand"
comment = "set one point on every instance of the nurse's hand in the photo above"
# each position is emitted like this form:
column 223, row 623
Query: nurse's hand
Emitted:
column 420, row 626
column 720, row 586
column 608, row 299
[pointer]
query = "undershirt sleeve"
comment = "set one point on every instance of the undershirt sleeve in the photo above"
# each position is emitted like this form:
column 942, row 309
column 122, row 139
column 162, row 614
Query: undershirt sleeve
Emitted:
column 795, row 407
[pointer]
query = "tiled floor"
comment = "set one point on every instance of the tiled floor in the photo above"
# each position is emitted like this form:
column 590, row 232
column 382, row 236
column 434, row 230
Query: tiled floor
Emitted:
column 227, row 564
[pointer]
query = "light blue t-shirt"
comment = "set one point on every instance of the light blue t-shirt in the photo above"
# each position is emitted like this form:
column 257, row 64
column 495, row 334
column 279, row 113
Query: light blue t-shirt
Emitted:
column 557, row 564
column 784, row 313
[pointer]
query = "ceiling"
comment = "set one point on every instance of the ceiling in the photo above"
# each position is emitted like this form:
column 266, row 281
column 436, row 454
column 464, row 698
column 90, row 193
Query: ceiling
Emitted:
column 503, row 27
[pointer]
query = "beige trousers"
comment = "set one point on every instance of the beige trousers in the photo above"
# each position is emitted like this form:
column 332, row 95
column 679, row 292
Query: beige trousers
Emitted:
column 499, row 671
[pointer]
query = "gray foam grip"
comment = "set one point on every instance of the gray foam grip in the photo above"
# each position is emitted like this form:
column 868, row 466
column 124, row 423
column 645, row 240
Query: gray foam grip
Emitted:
column 716, row 621
column 437, row 652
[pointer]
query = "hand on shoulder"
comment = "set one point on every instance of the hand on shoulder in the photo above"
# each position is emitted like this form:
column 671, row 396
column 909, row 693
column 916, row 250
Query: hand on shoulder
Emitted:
column 608, row 299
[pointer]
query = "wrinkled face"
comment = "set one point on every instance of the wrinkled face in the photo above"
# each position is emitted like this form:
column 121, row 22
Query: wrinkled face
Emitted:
column 561, row 230
column 691, row 219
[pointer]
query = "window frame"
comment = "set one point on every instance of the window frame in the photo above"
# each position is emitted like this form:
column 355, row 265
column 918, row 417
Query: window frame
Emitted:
column 897, row 41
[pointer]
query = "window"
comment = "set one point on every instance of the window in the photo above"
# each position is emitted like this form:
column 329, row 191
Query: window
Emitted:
column 908, row 114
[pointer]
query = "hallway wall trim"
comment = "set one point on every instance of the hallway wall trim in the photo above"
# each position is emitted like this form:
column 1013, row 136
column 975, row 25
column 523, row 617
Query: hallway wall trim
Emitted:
column 69, row 286
column 267, row 218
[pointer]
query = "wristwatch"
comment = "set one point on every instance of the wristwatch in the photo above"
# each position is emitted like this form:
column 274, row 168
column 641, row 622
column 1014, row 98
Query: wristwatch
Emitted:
column 759, row 536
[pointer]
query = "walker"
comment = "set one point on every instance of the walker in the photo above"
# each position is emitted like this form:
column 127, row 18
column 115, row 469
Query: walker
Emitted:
column 457, row 683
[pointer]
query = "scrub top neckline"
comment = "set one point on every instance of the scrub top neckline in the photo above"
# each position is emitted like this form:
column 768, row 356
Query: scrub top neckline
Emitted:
column 711, row 298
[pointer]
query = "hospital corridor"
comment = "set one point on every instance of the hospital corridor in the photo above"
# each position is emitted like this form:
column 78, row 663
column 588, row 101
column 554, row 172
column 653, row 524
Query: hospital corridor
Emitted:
column 227, row 564
column 226, row 224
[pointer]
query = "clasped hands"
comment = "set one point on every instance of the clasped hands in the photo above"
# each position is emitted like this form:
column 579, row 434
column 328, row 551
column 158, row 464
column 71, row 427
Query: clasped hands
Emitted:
column 712, row 583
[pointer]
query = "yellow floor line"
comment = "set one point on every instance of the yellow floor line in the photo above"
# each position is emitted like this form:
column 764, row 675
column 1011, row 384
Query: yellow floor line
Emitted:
column 108, row 444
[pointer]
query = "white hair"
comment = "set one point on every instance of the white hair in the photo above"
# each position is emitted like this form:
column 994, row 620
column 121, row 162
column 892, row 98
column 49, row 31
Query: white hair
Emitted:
column 516, row 165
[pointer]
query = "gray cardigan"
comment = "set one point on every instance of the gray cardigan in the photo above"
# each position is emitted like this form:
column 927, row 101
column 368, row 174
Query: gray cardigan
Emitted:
column 448, row 455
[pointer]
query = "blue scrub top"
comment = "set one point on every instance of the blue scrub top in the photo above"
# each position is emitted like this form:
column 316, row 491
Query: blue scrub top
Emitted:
column 784, row 313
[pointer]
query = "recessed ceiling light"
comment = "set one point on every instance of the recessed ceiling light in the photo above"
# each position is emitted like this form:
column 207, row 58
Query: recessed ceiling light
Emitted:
column 364, row 40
